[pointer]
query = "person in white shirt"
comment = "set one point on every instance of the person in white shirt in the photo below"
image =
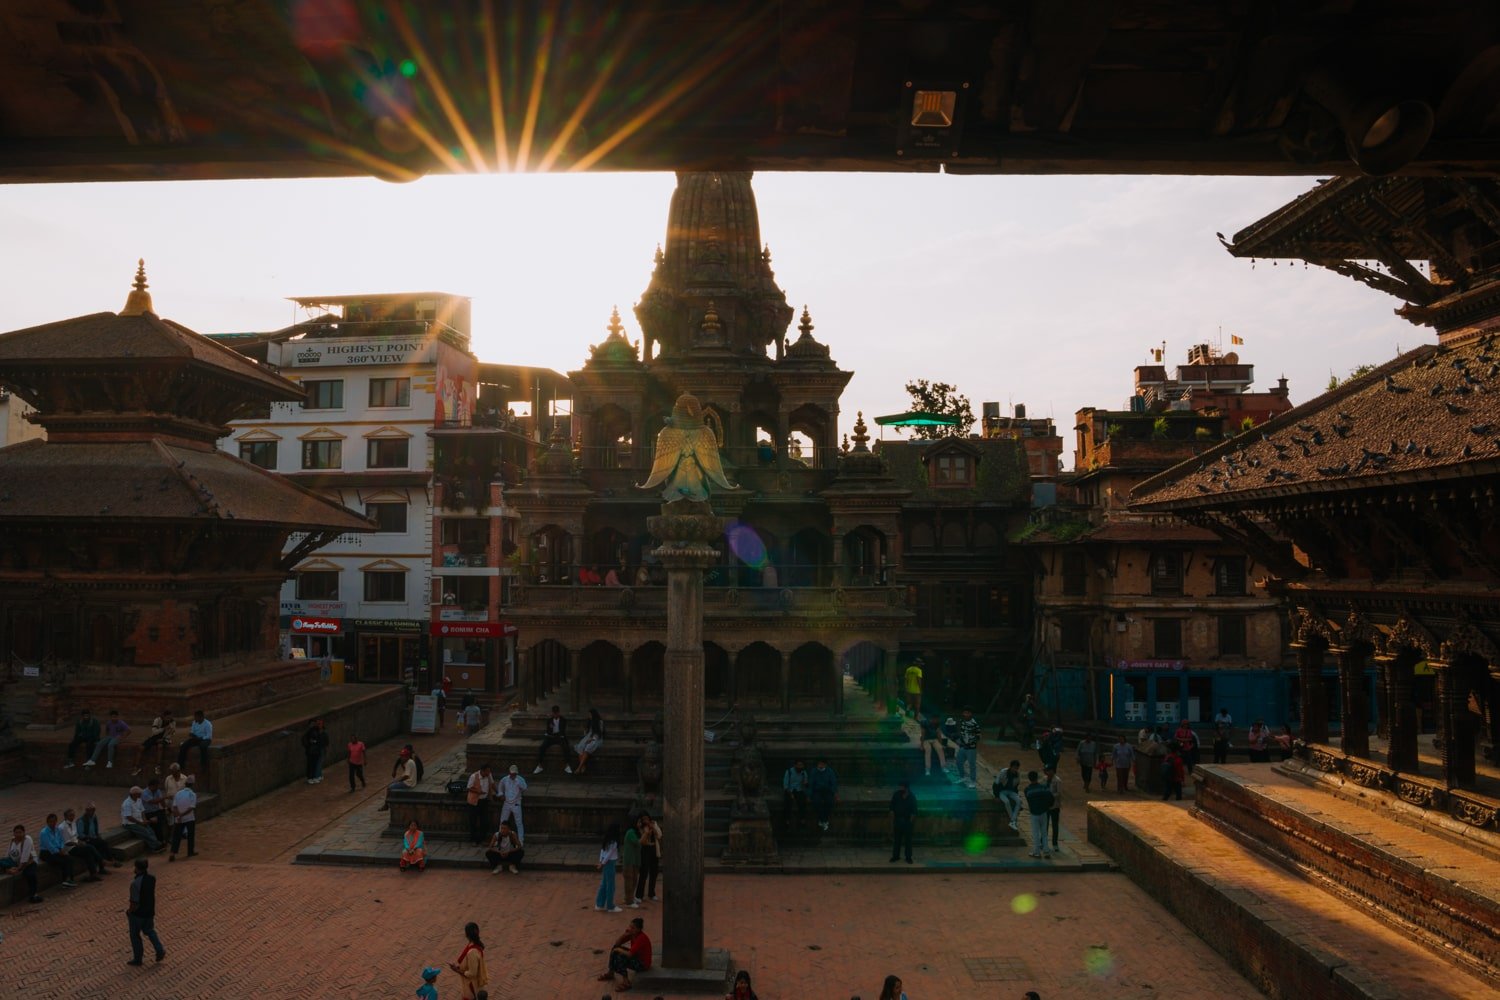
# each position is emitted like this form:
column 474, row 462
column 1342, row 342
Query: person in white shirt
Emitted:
column 133, row 819
column 406, row 777
column 20, row 857
column 512, row 787
column 201, row 735
column 184, row 819
column 1223, row 718
column 75, row 847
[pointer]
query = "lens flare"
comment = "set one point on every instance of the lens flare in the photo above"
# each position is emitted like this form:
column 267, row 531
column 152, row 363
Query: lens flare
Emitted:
column 746, row 545
column 1098, row 962
column 1023, row 904
column 976, row 843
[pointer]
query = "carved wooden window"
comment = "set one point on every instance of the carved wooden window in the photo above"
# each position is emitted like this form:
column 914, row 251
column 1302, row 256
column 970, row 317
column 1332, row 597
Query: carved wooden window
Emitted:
column 1168, row 638
column 1231, row 635
column 1075, row 578
column 1229, row 576
column 1166, row 573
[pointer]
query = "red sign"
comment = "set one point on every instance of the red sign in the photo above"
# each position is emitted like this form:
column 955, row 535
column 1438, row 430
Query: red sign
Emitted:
column 472, row 630
column 308, row 625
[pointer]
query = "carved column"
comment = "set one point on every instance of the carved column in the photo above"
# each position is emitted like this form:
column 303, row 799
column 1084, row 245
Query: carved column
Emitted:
column 1457, row 740
column 575, row 680
column 1356, row 735
column 1401, row 754
column 686, row 529
column 1314, row 703
column 786, row 680
column 1492, row 709
column 1383, row 697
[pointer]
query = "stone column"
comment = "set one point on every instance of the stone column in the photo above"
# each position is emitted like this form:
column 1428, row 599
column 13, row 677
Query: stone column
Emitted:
column 1492, row 706
column 786, row 680
column 686, row 529
column 1401, row 753
column 575, row 680
column 1356, row 736
column 1457, row 743
column 1314, row 707
column 1383, row 697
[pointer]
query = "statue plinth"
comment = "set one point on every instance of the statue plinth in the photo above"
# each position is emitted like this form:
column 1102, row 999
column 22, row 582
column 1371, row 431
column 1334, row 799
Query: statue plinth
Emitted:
column 686, row 528
column 751, row 840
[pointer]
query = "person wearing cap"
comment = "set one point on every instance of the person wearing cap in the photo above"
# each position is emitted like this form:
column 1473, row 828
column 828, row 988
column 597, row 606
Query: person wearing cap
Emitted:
column 914, row 687
column 406, row 769
column 427, row 991
column 133, row 819
column 88, row 832
column 185, row 819
column 512, row 788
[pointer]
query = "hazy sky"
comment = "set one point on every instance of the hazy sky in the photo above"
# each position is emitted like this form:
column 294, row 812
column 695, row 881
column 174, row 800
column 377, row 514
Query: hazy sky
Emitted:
column 1042, row 290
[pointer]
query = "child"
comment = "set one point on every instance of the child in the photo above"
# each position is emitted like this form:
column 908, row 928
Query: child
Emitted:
column 427, row 991
column 609, row 854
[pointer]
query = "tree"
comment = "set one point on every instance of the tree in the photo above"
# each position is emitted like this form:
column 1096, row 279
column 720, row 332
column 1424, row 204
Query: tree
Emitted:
column 940, row 397
column 1334, row 381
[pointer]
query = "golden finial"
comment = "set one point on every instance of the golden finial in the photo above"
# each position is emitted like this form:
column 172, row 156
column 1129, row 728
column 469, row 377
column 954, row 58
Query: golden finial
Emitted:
column 615, row 328
column 710, row 319
column 138, row 301
column 659, row 256
column 765, row 253
column 806, row 326
column 861, row 433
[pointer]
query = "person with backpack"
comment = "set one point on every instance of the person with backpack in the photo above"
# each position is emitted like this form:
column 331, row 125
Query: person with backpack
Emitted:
column 1173, row 773
column 1038, row 804
column 1007, row 788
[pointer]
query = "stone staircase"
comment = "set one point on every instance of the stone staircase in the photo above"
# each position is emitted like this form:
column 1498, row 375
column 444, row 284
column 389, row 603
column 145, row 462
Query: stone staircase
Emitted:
column 1312, row 896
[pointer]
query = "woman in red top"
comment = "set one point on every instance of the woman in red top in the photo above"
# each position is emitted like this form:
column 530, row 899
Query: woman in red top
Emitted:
column 470, row 965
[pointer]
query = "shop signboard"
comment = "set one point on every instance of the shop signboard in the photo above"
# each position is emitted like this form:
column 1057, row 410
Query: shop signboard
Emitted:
column 385, row 625
column 326, row 609
column 310, row 625
column 461, row 615
column 1149, row 665
column 424, row 714
column 471, row 630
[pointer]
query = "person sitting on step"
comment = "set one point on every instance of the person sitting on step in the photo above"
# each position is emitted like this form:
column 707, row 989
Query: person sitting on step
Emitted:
column 413, row 848
column 593, row 739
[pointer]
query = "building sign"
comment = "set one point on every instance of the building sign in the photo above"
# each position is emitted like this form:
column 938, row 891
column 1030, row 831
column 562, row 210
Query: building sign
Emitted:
column 472, row 630
column 337, row 354
column 308, row 625
column 461, row 615
column 424, row 714
column 1150, row 665
column 325, row 609
column 385, row 625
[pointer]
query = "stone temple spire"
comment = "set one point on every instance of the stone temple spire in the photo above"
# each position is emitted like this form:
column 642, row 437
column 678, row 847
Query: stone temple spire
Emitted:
column 713, row 251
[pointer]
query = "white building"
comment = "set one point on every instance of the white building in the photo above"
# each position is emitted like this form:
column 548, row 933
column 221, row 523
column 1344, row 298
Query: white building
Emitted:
column 380, row 372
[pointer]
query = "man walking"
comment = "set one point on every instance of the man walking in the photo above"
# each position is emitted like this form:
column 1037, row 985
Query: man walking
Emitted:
column 481, row 789
column 133, row 819
column 1123, row 758
column 1054, row 815
column 512, row 788
column 1223, row 727
column 1088, row 758
column 141, row 916
column 823, row 789
column 356, row 749
column 968, row 749
column 314, row 746
column 914, row 688
column 86, row 735
column 115, row 730
column 555, row 733
column 1007, row 789
column 1039, row 804
column 794, row 793
column 185, row 820
column 903, row 817
column 201, row 734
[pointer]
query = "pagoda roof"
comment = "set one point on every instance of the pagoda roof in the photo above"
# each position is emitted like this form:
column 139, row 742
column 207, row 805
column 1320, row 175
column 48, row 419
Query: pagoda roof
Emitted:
column 1427, row 415
column 121, row 339
column 146, row 481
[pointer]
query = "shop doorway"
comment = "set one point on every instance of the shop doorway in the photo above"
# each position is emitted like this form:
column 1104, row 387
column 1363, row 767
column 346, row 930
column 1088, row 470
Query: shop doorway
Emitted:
column 391, row 659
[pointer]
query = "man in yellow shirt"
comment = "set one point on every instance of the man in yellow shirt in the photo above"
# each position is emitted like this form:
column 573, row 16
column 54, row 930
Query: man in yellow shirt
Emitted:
column 914, row 687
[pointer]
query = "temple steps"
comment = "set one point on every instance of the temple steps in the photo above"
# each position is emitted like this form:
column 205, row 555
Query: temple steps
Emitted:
column 1309, row 896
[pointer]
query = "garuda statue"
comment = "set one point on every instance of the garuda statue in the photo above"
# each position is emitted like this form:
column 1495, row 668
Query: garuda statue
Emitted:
column 687, row 455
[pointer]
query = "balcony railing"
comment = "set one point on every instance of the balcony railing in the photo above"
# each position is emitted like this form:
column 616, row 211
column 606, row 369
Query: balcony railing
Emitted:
column 723, row 600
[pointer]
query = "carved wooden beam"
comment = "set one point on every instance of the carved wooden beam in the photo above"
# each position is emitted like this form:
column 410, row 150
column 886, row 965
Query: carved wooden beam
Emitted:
column 1239, row 529
column 1479, row 203
column 1419, row 289
column 1415, row 227
column 1306, row 535
column 1465, row 541
column 1414, row 549
column 311, row 542
column 1376, row 280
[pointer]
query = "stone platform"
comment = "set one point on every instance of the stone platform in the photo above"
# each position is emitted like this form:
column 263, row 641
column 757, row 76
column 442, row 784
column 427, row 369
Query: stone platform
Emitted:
column 1309, row 896
column 253, row 751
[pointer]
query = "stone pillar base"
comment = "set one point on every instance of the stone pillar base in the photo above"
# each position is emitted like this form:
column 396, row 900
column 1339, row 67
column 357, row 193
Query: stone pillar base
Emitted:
column 751, row 842
column 715, row 978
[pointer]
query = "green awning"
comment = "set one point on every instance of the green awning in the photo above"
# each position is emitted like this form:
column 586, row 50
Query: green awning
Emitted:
column 917, row 418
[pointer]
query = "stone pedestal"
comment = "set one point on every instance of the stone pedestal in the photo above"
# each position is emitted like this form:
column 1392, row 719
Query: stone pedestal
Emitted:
column 686, row 529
